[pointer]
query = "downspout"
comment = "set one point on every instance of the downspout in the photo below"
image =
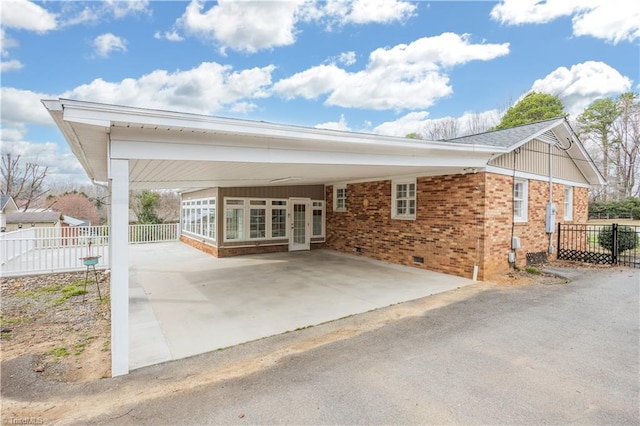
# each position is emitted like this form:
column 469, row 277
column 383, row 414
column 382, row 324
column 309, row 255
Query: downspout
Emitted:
column 551, row 226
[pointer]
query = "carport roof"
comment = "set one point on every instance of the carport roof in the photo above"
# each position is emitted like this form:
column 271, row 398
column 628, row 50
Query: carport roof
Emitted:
column 186, row 151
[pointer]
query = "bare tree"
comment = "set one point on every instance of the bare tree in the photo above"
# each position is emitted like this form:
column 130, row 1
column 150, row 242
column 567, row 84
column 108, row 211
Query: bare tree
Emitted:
column 444, row 128
column 21, row 180
column 626, row 131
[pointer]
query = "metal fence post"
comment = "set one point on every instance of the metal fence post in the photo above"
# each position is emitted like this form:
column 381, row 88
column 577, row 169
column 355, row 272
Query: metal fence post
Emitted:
column 614, row 241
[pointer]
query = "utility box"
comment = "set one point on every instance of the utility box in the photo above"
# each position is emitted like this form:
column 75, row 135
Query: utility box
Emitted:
column 550, row 218
column 515, row 242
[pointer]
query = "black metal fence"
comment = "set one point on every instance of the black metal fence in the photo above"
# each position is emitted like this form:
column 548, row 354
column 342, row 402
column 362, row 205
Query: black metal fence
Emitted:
column 600, row 244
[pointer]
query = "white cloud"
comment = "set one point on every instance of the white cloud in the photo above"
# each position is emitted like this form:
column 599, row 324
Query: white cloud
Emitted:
column 583, row 83
column 205, row 89
column 243, row 26
column 418, row 122
column 414, row 122
column 335, row 125
column 120, row 8
column 107, row 43
column 258, row 25
column 405, row 76
column 11, row 65
column 337, row 13
column 75, row 13
column 19, row 108
column 25, row 15
column 611, row 20
column 379, row 11
column 63, row 165
column 347, row 58
column 168, row 35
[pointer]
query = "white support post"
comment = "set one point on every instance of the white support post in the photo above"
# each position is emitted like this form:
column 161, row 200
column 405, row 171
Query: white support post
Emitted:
column 118, row 244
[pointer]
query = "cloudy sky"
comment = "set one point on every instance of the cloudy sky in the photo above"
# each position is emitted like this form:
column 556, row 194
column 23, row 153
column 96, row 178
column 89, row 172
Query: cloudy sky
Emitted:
column 378, row 66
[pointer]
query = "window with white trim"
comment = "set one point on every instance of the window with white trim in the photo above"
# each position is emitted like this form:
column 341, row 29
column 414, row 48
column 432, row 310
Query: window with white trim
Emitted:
column 257, row 219
column 278, row 219
column 199, row 217
column 520, row 203
column 317, row 211
column 568, row 203
column 234, row 219
column 340, row 198
column 403, row 199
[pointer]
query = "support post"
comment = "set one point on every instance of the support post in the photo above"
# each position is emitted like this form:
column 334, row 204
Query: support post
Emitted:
column 119, row 255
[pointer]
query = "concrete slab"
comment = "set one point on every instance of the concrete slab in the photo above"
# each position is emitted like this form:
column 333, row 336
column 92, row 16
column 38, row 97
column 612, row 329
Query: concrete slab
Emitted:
column 184, row 302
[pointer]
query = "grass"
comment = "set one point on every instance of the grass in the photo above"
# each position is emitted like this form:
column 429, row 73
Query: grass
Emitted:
column 58, row 352
column 68, row 292
column 532, row 270
column 78, row 348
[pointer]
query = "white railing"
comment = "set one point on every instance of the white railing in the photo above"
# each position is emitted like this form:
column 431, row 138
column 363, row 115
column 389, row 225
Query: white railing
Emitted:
column 153, row 233
column 63, row 249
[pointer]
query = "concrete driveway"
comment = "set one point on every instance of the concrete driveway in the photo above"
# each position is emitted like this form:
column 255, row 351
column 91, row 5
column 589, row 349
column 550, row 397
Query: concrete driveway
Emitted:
column 184, row 302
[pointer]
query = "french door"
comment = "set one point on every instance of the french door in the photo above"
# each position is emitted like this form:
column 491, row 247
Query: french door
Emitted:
column 300, row 222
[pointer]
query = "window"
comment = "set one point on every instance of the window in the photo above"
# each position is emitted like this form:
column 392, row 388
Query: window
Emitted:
column 568, row 203
column 340, row 198
column 520, row 200
column 403, row 198
column 199, row 217
column 278, row 219
column 234, row 219
column 258, row 219
column 317, row 219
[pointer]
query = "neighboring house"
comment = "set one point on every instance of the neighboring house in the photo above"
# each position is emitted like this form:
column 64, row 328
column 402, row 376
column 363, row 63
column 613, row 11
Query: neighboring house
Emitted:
column 7, row 205
column 30, row 219
column 72, row 221
column 471, row 206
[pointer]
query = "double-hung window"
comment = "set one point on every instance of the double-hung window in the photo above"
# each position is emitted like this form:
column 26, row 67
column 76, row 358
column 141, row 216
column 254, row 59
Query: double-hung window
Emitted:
column 403, row 197
column 340, row 198
column 568, row 203
column 520, row 204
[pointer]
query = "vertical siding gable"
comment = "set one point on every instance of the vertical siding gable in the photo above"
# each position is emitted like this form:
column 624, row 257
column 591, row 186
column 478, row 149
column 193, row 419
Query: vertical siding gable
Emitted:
column 533, row 157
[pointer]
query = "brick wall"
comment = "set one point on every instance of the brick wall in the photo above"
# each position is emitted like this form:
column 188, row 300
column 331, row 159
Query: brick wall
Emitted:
column 447, row 232
column 461, row 220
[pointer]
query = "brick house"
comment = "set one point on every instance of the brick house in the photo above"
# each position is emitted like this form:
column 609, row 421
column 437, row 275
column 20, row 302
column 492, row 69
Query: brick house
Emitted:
column 470, row 206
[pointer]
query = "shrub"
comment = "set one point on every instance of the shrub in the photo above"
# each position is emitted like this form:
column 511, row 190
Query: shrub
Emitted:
column 635, row 213
column 627, row 238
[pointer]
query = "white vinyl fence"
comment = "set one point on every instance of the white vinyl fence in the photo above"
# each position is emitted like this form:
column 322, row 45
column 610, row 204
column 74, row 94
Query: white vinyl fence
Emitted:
column 64, row 249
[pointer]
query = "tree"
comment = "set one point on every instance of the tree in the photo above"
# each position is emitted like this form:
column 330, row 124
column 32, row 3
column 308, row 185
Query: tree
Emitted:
column 627, row 238
column 596, row 122
column 24, row 181
column 144, row 206
column 76, row 205
column 612, row 125
column 413, row 135
column 627, row 144
column 535, row 106
column 440, row 129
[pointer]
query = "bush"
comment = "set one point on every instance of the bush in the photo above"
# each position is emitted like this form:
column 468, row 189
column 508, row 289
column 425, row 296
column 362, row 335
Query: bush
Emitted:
column 635, row 213
column 627, row 238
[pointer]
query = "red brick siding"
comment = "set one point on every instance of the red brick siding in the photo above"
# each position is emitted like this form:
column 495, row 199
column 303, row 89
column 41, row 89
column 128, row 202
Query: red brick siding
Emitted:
column 448, row 220
column 461, row 220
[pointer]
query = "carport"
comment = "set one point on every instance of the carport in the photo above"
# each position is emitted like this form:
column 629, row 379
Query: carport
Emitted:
column 128, row 148
column 184, row 302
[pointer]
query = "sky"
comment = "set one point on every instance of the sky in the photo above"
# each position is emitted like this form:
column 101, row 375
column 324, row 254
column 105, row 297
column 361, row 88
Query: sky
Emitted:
column 375, row 66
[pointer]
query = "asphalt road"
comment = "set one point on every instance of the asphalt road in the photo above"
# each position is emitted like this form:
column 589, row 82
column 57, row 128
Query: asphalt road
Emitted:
column 508, row 354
